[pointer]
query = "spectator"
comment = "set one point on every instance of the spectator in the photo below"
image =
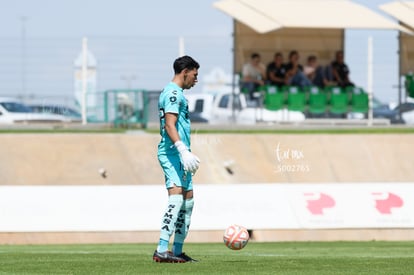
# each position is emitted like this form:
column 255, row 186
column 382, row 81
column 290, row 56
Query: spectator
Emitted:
column 340, row 70
column 329, row 77
column 294, row 72
column 253, row 75
column 276, row 71
column 317, row 74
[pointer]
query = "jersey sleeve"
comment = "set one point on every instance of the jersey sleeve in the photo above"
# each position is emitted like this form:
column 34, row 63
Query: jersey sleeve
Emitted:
column 170, row 102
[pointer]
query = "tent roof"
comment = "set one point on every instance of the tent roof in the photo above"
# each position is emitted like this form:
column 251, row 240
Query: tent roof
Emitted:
column 401, row 10
column 268, row 15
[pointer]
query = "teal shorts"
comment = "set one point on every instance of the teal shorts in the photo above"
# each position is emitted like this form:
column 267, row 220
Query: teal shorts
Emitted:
column 174, row 172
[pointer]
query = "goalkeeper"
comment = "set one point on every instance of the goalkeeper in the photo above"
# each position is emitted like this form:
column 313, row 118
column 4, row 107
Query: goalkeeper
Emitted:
column 177, row 161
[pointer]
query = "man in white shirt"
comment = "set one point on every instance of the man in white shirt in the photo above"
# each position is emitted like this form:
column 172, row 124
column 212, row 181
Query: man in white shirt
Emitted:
column 253, row 75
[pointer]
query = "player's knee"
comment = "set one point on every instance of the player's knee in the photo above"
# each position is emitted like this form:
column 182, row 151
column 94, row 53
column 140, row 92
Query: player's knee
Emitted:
column 175, row 190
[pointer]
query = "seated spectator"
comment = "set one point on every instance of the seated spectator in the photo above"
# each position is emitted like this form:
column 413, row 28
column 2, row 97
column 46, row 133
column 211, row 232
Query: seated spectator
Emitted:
column 276, row 71
column 329, row 77
column 317, row 74
column 253, row 75
column 294, row 72
column 310, row 67
column 340, row 70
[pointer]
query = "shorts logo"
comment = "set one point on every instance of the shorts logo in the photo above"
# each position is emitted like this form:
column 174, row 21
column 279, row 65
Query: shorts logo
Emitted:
column 173, row 99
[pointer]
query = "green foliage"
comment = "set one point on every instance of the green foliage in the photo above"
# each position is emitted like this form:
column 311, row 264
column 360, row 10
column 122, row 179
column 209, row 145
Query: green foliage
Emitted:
column 257, row 258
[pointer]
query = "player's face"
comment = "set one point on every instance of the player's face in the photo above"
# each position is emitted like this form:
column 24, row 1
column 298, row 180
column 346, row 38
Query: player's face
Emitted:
column 190, row 78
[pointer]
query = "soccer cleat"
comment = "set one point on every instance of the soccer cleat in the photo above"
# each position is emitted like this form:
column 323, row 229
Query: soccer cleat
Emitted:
column 187, row 258
column 166, row 257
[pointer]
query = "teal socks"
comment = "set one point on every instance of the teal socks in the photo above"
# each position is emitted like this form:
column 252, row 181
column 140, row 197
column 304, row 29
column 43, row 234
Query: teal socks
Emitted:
column 175, row 203
column 182, row 225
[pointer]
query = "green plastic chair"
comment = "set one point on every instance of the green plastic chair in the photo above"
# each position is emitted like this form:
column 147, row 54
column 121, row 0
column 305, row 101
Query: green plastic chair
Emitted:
column 359, row 103
column 273, row 98
column 313, row 90
column 296, row 101
column 291, row 89
column 334, row 90
column 318, row 103
column 354, row 90
column 339, row 103
column 409, row 84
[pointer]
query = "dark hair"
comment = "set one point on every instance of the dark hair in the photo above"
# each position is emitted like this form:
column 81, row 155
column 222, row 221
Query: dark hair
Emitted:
column 255, row 55
column 311, row 58
column 185, row 62
column 292, row 53
column 278, row 54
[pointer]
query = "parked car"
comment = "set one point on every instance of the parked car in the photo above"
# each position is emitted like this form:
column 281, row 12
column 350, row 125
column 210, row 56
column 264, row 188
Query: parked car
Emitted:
column 62, row 110
column 407, row 112
column 197, row 117
column 381, row 110
column 12, row 111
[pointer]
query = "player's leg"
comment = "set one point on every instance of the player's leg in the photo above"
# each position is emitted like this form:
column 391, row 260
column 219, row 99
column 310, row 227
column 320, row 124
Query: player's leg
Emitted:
column 184, row 221
column 171, row 167
column 169, row 218
column 175, row 201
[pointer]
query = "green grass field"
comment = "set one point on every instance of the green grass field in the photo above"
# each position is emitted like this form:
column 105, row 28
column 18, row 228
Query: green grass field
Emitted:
column 256, row 258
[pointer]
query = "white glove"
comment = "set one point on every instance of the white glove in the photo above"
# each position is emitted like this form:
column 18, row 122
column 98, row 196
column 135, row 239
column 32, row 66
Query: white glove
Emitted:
column 190, row 161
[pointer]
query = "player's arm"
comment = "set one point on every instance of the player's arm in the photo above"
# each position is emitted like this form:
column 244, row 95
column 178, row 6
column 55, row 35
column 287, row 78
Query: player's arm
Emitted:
column 189, row 160
column 170, row 122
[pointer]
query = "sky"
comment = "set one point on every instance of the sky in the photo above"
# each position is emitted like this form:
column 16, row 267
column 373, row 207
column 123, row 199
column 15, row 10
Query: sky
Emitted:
column 51, row 19
column 63, row 18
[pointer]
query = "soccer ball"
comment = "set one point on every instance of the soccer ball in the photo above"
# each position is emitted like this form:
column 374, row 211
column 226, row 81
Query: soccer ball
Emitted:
column 235, row 237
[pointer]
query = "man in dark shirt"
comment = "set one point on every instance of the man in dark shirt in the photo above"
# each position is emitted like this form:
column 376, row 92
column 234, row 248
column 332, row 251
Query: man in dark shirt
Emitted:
column 294, row 72
column 340, row 70
column 276, row 71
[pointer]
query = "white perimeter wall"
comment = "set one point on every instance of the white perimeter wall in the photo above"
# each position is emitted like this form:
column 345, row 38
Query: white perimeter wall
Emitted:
column 256, row 206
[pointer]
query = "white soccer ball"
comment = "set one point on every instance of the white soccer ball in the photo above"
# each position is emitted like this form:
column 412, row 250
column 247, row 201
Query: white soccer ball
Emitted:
column 236, row 237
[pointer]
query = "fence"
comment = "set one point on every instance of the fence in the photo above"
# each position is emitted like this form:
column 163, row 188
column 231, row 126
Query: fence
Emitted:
column 46, row 71
column 41, row 69
column 123, row 108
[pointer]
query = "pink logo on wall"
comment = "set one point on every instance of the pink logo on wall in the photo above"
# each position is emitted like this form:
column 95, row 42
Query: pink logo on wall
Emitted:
column 318, row 202
column 385, row 201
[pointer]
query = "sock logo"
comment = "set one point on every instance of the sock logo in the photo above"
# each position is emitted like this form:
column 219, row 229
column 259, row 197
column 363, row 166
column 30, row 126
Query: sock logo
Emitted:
column 167, row 217
column 317, row 202
column 179, row 224
column 384, row 202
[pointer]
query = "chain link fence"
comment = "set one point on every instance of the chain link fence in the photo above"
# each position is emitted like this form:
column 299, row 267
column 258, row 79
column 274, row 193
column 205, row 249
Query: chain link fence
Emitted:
column 42, row 70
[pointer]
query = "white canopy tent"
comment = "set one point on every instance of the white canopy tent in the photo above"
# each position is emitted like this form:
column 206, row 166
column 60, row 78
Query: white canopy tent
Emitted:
column 268, row 15
column 309, row 26
column 314, row 27
column 403, row 11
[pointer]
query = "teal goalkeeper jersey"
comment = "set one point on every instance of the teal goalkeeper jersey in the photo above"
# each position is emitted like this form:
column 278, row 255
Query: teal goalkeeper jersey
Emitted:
column 172, row 100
